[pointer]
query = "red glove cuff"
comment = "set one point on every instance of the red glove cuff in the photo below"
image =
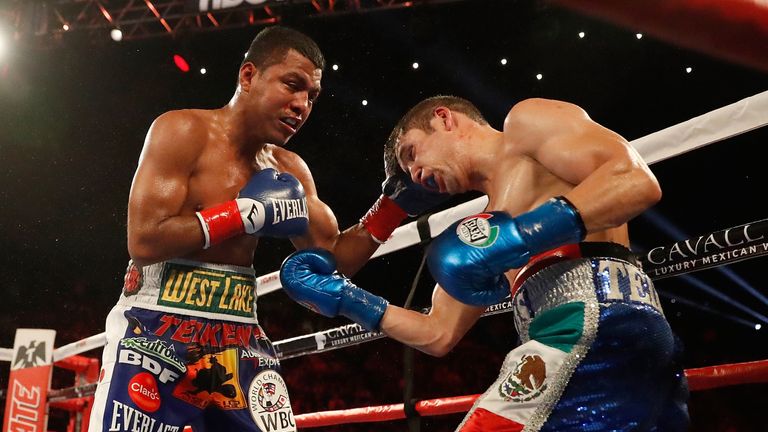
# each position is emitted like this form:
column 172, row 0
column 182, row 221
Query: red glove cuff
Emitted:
column 382, row 219
column 220, row 223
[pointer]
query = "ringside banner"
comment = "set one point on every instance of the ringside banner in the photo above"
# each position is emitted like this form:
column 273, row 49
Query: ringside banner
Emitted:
column 710, row 250
column 28, row 383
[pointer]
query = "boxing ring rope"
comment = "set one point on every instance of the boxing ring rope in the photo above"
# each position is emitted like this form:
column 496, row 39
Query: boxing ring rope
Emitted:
column 705, row 378
column 737, row 243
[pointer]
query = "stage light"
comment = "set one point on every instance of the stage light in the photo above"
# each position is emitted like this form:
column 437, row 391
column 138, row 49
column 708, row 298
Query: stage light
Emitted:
column 203, row 71
column 639, row 35
column 539, row 76
column 116, row 35
column 180, row 63
column 65, row 27
column 415, row 65
column 365, row 102
column 709, row 289
column 688, row 69
column 335, row 67
column 698, row 306
column 581, row 35
column 503, row 61
column 740, row 281
column 758, row 326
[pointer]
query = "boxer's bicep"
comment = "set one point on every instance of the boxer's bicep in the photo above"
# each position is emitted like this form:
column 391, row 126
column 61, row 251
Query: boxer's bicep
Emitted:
column 323, row 228
column 352, row 248
column 452, row 314
column 577, row 154
column 160, row 185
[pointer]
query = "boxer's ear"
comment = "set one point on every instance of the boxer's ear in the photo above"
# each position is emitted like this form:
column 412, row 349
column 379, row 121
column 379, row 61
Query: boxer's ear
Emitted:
column 445, row 117
column 247, row 73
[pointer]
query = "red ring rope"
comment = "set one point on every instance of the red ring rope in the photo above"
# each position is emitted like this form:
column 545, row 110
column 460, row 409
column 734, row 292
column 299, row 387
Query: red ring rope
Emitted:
column 698, row 379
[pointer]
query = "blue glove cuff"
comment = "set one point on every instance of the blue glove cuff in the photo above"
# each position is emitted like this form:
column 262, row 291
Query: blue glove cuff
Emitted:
column 555, row 223
column 363, row 307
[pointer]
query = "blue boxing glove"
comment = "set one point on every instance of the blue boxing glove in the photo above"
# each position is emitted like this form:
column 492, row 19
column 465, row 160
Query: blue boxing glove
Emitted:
column 310, row 278
column 413, row 198
column 470, row 257
column 283, row 202
column 270, row 204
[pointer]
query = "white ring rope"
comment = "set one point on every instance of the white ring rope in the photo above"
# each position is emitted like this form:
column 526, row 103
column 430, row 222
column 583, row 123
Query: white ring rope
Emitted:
column 728, row 121
column 722, row 123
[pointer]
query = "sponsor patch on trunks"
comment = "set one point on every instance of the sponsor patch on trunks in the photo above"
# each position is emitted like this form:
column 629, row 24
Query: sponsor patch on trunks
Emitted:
column 213, row 379
column 142, row 389
column 208, row 290
column 156, row 348
column 133, row 280
column 269, row 403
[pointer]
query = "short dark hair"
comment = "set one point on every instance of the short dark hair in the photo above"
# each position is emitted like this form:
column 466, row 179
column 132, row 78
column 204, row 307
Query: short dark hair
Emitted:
column 271, row 45
column 419, row 117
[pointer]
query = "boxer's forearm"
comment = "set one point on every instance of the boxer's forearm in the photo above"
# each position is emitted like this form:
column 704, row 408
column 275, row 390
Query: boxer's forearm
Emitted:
column 151, row 242
column 354, row 248
column 416, row 330
column 435, row 333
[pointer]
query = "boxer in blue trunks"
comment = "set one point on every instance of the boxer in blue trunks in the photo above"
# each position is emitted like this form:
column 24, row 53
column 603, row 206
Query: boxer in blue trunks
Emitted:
column 184, row 346
column 597, row 353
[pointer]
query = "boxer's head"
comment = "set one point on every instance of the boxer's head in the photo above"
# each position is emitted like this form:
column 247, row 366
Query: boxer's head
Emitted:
column 278, row 83
column 428, row 142
column 271, row 45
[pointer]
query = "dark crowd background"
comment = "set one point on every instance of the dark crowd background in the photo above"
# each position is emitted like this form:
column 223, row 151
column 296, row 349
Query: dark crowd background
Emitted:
column 73, row 120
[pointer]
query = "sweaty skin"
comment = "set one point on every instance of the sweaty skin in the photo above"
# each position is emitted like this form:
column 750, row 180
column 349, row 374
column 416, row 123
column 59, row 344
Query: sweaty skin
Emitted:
column 547, row 148
column 193, row 159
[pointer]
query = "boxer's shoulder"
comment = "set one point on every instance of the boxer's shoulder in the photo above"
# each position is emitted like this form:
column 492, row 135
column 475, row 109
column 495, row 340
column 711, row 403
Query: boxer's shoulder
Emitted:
column 179, row 130
column 185, row 121
column 284, row 160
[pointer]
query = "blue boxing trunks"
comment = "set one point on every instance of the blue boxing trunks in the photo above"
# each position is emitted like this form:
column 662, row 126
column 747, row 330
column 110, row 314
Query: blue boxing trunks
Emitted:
column 184, row 348
column 597, row 353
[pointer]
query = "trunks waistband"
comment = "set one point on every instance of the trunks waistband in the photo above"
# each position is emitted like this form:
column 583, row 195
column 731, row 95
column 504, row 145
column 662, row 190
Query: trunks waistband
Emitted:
column 573, row 251
column 217, row 291
column 594, row 281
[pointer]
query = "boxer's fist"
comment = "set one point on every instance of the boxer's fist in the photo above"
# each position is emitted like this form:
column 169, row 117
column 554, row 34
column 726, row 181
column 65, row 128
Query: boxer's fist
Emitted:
column 413, row 198
column 400, row 198
column 470, row 257
column 466, row 259
column 273, row 204
column 270, row 204
column 310, row 278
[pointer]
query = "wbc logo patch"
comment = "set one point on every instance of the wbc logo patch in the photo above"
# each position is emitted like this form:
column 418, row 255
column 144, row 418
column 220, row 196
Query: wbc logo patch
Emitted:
column 269, row 403
column 477, row 232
